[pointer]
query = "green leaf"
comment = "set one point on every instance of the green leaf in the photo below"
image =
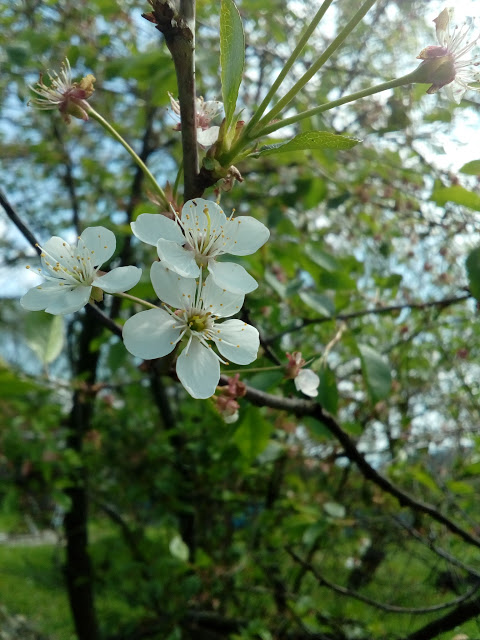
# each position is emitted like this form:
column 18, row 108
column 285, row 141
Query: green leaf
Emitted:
column 471, row 168
column 45, row 335
column 12, row 385
column 319, row 303
column 334, row 510
column 279, row 288
column 322, row 259
column 473, row 271
column 179, row 549
column 462, row 488
column 338, row 280
column 327, row 390
column 376, row 373
column 458, row 195
column 232, row 56
column 308, row 140
column 253, row 434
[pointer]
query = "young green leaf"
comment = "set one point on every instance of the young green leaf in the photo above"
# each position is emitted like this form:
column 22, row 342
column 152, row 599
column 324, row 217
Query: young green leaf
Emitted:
column 473, row 271
column 376, row 373
column 308, row 140
column 232, row 56
column 45, row 335
column 458, row 195
column 471, row 168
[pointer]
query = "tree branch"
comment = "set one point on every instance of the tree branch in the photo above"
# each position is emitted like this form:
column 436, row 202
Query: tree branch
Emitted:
column 417, row 306
column 460, row 614
column 300, row 407
column 179, row 31
column 389, row 608
column 18, row 222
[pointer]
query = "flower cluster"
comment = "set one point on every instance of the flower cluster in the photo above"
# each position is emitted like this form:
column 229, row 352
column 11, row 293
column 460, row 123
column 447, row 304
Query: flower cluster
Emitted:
column 449, row 64
column 197, row 292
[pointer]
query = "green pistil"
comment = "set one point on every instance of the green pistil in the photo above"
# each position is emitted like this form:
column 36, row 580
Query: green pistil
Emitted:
column 198, row 323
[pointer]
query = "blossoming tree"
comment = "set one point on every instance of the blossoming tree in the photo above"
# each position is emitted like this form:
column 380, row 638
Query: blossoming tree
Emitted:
column 272, row 237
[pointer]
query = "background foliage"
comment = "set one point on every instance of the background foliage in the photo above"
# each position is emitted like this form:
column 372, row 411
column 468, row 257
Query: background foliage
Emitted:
column 269, row 527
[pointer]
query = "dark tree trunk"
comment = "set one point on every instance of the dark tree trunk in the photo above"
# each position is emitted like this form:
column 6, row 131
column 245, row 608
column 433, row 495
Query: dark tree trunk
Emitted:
column 78, row 567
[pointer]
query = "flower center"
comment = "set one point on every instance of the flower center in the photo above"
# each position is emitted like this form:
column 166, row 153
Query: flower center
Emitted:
column 199, row 322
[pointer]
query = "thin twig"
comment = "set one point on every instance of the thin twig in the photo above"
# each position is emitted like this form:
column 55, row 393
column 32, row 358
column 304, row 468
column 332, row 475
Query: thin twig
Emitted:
column 418, row 306
column 389, row 608
column 18, row 222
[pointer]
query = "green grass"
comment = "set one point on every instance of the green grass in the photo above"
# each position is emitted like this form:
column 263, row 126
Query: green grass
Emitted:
column 32, row 585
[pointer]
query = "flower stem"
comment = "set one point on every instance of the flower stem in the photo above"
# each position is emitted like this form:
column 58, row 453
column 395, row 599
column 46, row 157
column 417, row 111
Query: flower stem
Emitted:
column 391, row 84
column 318, row 64
column 288, row 65
column 106, row 125
column 135, row 299
column 254, row 369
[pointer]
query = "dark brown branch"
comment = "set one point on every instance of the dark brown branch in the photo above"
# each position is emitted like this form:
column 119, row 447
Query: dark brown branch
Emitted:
column 301, row 407
column 415, row 306
column 18, row 222
column 388, row 608
column 459, row 615
column 179, row 31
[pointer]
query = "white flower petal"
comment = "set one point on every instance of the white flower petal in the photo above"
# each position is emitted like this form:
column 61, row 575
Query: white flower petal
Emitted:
column 56, row 298
column 72, row 300
column 57, row 249
column 237, row 341
column 119, row 279
column 178, row 259
column 232, row 277
column 247, row 235
column 38, row 298
column 100, row 244
column 442, row 22
column 198, row 369
column 151, row 334
column 307, row 382
column 150, row 227
column 205, row 210
column 171, row 288
column 211, row 107
column 220, row 302
column 207, row 137
column 455, row 91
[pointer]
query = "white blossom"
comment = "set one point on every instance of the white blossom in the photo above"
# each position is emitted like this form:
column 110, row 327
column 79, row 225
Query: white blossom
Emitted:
column 450, row 64
column 205, row 112
column 198, row 236
column 307, row 382
column 71, row 273
column 192, row 311
column 61, row 93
